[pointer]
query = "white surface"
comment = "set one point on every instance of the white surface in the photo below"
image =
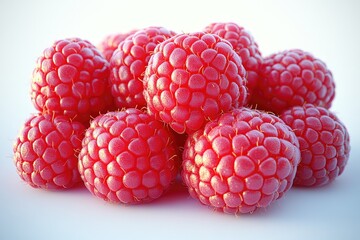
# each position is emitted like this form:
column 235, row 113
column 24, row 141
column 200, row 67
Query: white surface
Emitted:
column 328, row 29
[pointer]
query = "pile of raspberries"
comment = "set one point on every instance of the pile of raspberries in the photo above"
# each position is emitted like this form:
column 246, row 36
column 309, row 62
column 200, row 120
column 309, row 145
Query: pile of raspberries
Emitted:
column 150, row 107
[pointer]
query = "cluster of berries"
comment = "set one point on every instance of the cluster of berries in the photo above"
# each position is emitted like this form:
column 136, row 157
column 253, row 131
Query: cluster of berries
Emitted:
column 127, row 117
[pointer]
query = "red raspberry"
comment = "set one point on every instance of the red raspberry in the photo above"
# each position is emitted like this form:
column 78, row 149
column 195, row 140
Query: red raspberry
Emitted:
column 128, row 65
column 192, row 78
column 244, row 45
column 292, row 78
column 128, row 157
column 111, row 42
column 242, row 161
column 45, row 152
column 71, row 78
column 324, row 144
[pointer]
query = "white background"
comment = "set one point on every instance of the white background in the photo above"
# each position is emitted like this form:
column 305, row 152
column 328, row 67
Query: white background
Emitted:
column 328, row 29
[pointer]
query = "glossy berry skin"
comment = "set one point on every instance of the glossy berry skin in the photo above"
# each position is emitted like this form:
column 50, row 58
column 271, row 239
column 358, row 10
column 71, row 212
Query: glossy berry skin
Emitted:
column 324, row 144
column 193, row 78
column 244, row 160
column 293, row 78
column 128, row 157
column 71, row 79
column 244, row 45
column 111, row 42
column 128, row 65
column 45, row 151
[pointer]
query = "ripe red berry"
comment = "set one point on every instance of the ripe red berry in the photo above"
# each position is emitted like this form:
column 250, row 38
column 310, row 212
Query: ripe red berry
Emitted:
column 128, row 65
column 242, row 161
column 71, row 78
column 128, row 157
column 192, row 78
column 45, row 152
column 111, row 42
column 244, row 45
column 324, row 144
column 293, row 78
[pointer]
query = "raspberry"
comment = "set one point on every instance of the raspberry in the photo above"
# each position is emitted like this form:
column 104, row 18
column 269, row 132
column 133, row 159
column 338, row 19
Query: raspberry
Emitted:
column 192, row 78
column 324, row 144
column 111, row 42
column 244, row 45
column 293, row 78
column 128, row 157
column 128, row 65
column 242, row 161
column 45, row 152
column 71, row 78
